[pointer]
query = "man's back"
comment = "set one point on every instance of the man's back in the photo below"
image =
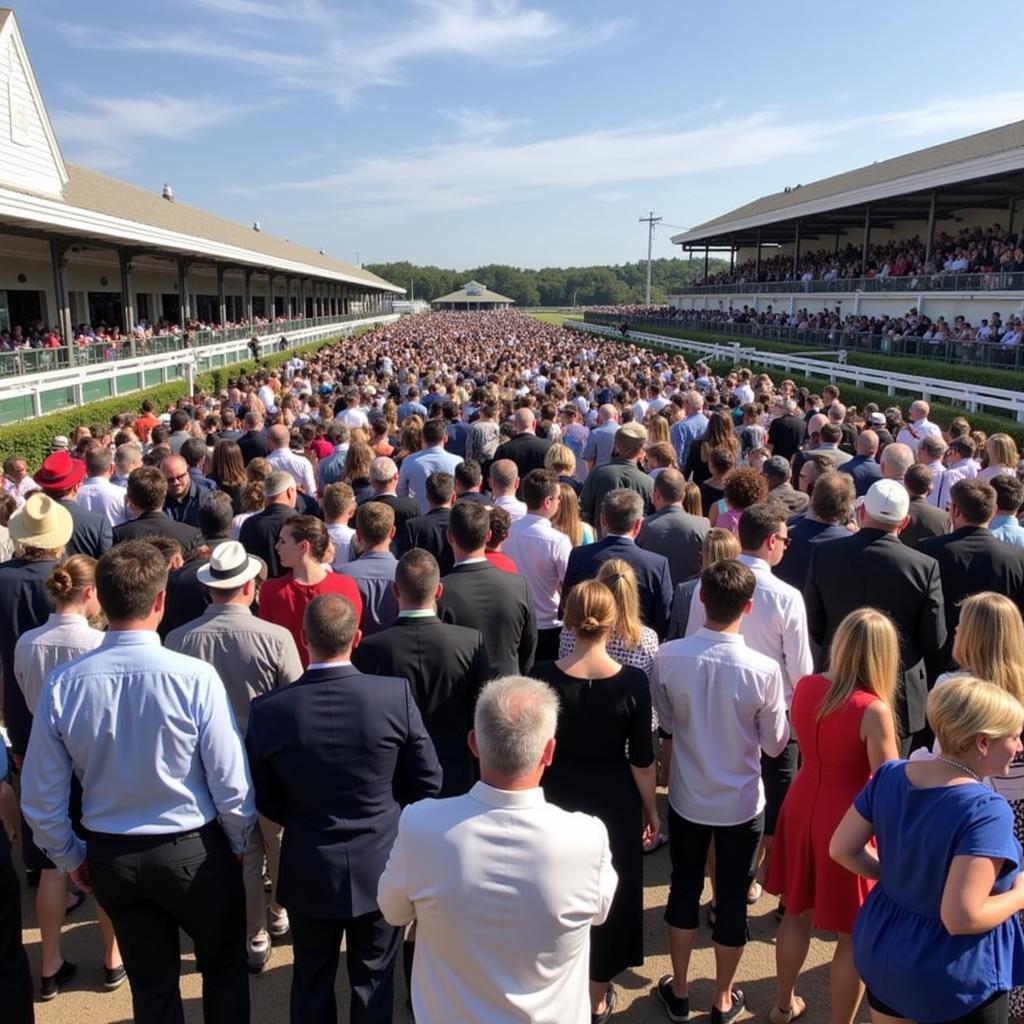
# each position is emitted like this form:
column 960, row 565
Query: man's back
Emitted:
column 93, row 534
column 925, row 521
column 619, row 473
column 864, row 470
column 526, row 450
column 429, row 532
column 678, row 536
column 259, row 534
column 505, row 887
column 415, row 468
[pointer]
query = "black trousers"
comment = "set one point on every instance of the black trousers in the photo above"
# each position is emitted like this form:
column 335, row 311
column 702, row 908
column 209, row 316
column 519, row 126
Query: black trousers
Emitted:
column 735, row 857
column 153, row 885
column 777, row 774
column 15, row 976
column 371, row 947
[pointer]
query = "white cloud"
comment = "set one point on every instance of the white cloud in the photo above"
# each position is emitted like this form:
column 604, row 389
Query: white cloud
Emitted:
column 952, row 116
column 482, row 124
column 341, row 52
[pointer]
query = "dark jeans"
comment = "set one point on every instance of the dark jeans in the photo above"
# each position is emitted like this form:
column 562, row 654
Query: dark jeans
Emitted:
column 547, row 644
column 777, row 773
column 15, row 977
column 371, row 946
column 153, row 885
column 993, row 1011
column 735, row 857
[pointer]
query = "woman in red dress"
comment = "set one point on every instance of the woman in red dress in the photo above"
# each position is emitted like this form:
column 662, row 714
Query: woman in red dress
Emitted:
column 844, row 724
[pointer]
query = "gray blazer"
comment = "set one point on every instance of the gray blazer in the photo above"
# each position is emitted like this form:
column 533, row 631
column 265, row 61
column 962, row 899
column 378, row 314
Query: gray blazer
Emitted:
column 678, row 536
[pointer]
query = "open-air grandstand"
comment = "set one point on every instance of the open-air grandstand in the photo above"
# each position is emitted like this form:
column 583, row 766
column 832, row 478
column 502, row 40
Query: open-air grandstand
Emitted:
column 94, row 270
column 939, row 231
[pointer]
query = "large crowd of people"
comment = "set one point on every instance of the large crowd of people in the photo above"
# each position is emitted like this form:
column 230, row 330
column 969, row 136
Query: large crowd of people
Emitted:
column 395, row 644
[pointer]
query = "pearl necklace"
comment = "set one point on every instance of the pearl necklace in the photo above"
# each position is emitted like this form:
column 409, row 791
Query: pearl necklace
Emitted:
column 961, row 766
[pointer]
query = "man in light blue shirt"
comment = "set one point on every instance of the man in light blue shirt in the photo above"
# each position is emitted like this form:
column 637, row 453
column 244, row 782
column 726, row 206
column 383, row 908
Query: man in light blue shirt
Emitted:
column 1009, row 498
column 690, row 428
column 412, row 477
column 167, row 805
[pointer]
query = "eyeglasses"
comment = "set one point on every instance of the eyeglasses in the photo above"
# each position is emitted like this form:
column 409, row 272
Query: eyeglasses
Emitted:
column 786, row 541
column 175, row 477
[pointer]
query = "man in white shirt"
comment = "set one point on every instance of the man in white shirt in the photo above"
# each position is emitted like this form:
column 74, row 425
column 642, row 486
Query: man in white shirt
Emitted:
column 719, row 704
column 776, row 627
column 504, row 482
column 541, row 554
column 17, row 482
column 98, row 492
column 502, row 885
column 930, row 452
column 298, row 467
column 918, row 426
column 352, row 415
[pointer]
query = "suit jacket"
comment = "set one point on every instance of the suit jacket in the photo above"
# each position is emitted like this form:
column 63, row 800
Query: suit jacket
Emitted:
column 678, row 536
column 429, row 532
column 404, row 509
column 971, row 560
column 652, row 575
column 446, row 667
column 329, row 756
column 481, row 596
column 259, row 534
column 617, row 473
column 156, row 524
column 864, row 470
column 925, row 521
column 527, row 451
column 872, row 568
column 254, row 445
column 92, row 533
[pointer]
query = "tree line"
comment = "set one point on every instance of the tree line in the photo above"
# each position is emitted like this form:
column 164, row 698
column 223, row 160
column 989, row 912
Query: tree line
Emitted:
column 552, row 286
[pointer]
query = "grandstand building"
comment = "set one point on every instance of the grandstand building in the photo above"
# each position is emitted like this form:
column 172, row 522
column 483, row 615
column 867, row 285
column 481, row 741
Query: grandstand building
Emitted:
column 914, row 231
column 78, row 247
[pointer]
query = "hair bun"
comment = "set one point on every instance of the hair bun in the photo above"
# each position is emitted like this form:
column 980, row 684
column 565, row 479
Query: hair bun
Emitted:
column 591, row 624
column 60, row 583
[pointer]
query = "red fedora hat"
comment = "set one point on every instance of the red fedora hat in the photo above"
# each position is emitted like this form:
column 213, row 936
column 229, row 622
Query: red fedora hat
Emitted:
column 59, row 472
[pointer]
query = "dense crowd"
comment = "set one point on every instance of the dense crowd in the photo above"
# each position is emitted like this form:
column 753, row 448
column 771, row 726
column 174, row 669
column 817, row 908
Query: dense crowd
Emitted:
column 244, row 640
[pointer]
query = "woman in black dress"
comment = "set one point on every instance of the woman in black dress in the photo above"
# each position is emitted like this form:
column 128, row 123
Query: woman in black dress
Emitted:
column 605, row 707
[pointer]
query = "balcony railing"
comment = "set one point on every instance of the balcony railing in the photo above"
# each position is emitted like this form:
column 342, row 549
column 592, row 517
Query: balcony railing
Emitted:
column 970, row 353
column 1000, row 281
column 46, row 360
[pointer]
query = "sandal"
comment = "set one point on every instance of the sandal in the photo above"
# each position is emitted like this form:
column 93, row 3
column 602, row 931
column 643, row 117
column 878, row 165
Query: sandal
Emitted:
column 754, row 893
column 797, row 1008
column 657, row 844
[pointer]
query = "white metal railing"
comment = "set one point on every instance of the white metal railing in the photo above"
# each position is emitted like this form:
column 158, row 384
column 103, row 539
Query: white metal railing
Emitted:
column 186, row 363
column 970, row 395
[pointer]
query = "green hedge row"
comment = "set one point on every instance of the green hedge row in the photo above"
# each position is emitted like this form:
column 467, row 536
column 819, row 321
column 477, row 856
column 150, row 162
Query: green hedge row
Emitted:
column 960, row 372
column 32, row 438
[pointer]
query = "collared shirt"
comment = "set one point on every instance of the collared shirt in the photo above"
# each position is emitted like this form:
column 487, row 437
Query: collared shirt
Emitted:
column 100, row 494
column 298, row 466
column 186, row 509
column 332, row 469
column 939, row 494
column 492, row 877
column 340, row 663
column 1007, row 529
column 150, row 734
column 374, row 573
column 685, row 432
column 251, row 656
column 512, row 505
column 412, row 476
column 600, row 442
column 417, row 613
column 19, row 490
column 776, row 625
column 722, row 703
column 342, row 537
column 40, row 650
column 913, row 432
column 541, row 554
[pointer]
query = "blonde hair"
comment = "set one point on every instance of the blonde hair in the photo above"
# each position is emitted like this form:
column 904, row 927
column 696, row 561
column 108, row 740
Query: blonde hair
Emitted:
column 560, row 458
column 719, row 545
column 1002, row 451
column 69, row 579
column 865, row 655
column 967, row 707
column 692, row 501
column 989, row 642
column 657, row 429
column 618, row 576
column 567, row 519
column 590, row 610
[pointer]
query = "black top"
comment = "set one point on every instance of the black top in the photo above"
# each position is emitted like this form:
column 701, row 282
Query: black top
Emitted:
column 429, row 532
column 786, row 434
column 156, row 524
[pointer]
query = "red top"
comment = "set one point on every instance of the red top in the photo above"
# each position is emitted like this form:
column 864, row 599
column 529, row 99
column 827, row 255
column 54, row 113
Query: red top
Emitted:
column 500, row 561
column 322, row 447
column 144, row 424
column 283, row 601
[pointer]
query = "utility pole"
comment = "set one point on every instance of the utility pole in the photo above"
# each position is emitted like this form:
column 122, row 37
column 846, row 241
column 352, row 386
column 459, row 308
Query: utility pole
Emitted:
column 358, row 261
column 650, row 220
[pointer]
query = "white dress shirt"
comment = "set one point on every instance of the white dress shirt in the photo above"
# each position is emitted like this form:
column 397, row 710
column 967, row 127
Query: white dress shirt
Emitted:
column 101, row 494
column 512, row 505
column 776, row 625
column 913, row 432
column 19, row 490
column 541, row 554
column 39, row 651
column 300, row 468
column 722, row 703
column 503, row 887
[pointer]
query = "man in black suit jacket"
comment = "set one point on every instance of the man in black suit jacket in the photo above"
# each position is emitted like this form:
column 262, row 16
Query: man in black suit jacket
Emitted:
column 253, row 442
column 144, row 498
column 384, row 484
column 446, row 665
column 328, row 755
column 60, row 477
column 673, row 532
column 926, row 519
column 524, row 447
column 871, row 568
column 259, row 533
column 430, row 531
column 481, row 596
column 622, row 517
column 970, row 558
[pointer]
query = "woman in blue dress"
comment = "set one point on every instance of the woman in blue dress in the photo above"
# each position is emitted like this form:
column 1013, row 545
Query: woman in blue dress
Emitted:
column 938, row 940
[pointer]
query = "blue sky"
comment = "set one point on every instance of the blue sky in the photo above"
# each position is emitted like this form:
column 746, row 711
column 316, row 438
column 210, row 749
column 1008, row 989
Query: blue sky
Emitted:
column 532, row 132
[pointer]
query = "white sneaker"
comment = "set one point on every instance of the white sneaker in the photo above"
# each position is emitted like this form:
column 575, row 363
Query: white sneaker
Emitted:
column 257, row 951
column 279, row 924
